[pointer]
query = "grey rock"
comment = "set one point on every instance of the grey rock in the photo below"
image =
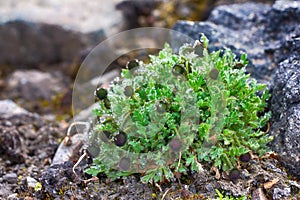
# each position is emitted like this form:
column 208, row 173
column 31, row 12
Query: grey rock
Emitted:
column 8, row 108
column 13, row 196
column 66, row 153
column 258, row 194
column 77, row 15
column 259, row 30
column 31, row 182
column 281, row 193
column 285, row 106
column 25, row 44
column 270, row 35
column 10, row 178
column 33, row 85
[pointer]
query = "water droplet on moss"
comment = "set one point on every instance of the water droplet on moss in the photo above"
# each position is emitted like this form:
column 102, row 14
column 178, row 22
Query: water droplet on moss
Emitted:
column 93, row 150
column 124, row 163
column 120, row 139
column 128, row 91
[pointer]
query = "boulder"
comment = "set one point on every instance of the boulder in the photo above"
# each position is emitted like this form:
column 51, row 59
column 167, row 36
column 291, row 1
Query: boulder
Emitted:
column 26, row 44
column 258, row 29
column 285, row 106
column 34, row 85
column 76, row 15
column 270, row 35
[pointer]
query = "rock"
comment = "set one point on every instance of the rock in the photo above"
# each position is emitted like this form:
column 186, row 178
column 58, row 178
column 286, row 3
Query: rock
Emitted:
column 13, row 196
column 59, row 34
column 57, row 176
column 78, row 15
column 66, row 153
column 10, row 178
column 258, row 194
column 8, row 108
column 12, row 148
column 31, row 182
column 26, row 44
column 41, row 92
column 33, row 85
column 251, row 28
column 285, row 106
column 270, row 35
column 281, row 193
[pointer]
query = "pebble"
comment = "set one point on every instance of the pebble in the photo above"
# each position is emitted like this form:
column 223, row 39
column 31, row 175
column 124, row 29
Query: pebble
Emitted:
column 10, row 178
column 13, row 196
column 31, row 182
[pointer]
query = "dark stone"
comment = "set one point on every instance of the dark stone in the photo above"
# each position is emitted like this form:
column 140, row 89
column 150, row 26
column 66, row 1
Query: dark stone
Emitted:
column 260, row 30
column 20, row 133
column 285, row 106
column 134, row 11
column 33, row 85
column 27, row 44
column 10, row 178
column 270, row 35
column 57, row 176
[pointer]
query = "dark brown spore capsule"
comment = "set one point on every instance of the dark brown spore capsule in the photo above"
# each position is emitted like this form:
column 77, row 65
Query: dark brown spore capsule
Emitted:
column 239, row 66
column 234, row 174
column 245, row 157
column 101, row 93
column 120, row 139
column 178, row 70
column 124, row 163
column 132, row 64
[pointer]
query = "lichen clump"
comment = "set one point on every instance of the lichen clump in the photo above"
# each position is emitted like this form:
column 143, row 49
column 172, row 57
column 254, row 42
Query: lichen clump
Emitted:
column 179, row 110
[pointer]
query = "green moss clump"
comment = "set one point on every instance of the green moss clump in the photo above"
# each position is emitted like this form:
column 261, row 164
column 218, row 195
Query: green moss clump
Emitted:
column 180, row 110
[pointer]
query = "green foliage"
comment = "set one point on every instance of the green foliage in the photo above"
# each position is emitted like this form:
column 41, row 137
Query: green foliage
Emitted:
column 177, row 111
column 38, row 186
column 220, row 196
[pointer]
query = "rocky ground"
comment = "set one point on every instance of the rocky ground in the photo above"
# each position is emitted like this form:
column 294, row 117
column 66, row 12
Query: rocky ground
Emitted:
column 38, row 64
